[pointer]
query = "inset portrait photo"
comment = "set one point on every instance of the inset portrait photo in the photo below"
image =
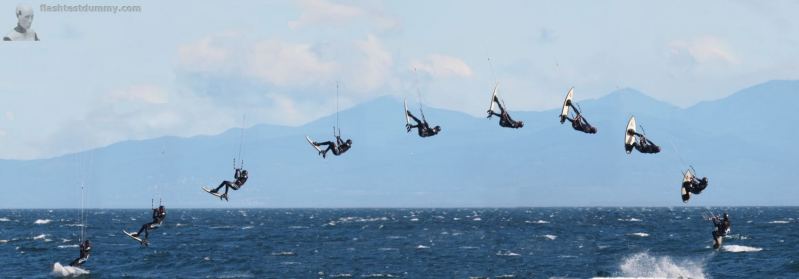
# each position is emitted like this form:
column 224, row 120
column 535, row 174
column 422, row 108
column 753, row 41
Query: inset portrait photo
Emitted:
column 23, row 30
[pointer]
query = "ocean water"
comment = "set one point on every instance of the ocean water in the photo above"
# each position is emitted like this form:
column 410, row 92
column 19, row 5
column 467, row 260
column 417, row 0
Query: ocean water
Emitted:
column 408, row 243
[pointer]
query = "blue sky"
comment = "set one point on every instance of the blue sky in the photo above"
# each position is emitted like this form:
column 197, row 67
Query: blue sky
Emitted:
column 195, row 67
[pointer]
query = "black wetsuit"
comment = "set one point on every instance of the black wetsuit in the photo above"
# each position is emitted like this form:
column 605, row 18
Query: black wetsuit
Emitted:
column 694, row 186
column 721, row 229
column 158, row 219
column 338, row 148
column 579, row 122
column 85, row 250
column 241, row 178
column 504, row 117
column 422, row 126
column 644, row 145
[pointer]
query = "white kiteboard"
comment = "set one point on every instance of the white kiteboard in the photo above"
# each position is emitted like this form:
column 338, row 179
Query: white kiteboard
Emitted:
column 310, row 141
column 218, row 195
column 67, row 271
column 493, row 94
column 407, row 118
column 628, row 138
column 141, row 241
column 565, row 111
column 688, row 176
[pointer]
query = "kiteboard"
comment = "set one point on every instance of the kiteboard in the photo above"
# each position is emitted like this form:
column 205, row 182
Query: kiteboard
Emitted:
column 310, row 141
column 141, row 241
column 629, row 138
column 493, row 94
column 407, row 118
column 565, row 111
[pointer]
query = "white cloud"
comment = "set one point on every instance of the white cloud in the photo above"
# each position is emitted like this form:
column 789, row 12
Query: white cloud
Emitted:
column 704, row 50
column 287, row 64
column 325, row 12
column 374, row 69
column 318, row 12
column 141, row 93
column 442, row 66
column 204, row 55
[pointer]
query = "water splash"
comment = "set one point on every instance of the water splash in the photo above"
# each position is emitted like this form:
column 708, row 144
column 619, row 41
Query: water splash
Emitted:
column 645, row 265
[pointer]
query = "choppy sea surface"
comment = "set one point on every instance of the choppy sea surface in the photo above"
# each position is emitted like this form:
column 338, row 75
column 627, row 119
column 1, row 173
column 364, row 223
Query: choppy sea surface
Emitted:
column 407, row 243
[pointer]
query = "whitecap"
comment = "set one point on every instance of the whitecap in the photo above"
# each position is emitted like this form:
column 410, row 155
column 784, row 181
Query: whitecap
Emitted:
column 414, row 219
column 507, row 254
column 341, row 275
column 422, row 247
column 3, row 241
column 477, row 219
column 537, row 222
column 283, row 253
column 641, row 234
column 505, row 276
column 388, row 249
column 630, row 220
column 778, row 222
column 246, row 227
column 41, row 236
column 740, row 248
column 68, row 246
column 550, row 236
column 42, row 221
column 297, row 227
column 67, row 271
column 645, row 265
column 4, row 219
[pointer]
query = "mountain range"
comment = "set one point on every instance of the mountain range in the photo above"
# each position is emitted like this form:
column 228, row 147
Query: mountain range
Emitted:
column 742, row 143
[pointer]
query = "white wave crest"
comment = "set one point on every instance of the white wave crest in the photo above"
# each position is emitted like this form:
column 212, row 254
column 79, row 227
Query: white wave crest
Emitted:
column 67, row 271
column 537, row 222
column 284, row 253
column 422, row 247
column 779, row 222
column 641, row 234
column 41, row 236
column 42, row 221
column 550, row 236
column 645, row 265
column 740, row 248
column 3, row 241
column 507, row 254
column 630, row 220
column 68, row 246
column 4, row 219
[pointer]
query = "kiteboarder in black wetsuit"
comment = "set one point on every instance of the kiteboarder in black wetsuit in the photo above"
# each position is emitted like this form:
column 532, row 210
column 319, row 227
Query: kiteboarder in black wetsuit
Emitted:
column 644, row 145
column 338, row 147
column 241, row 177
column 85, row 249
column 693, row 186
column 159, row 214
column 422, row 126
column 722, row 226
column 504, row 117
column 579, row 122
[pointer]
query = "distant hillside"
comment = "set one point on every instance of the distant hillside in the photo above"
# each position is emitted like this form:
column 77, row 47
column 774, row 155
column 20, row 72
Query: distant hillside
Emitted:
column 741, row 142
